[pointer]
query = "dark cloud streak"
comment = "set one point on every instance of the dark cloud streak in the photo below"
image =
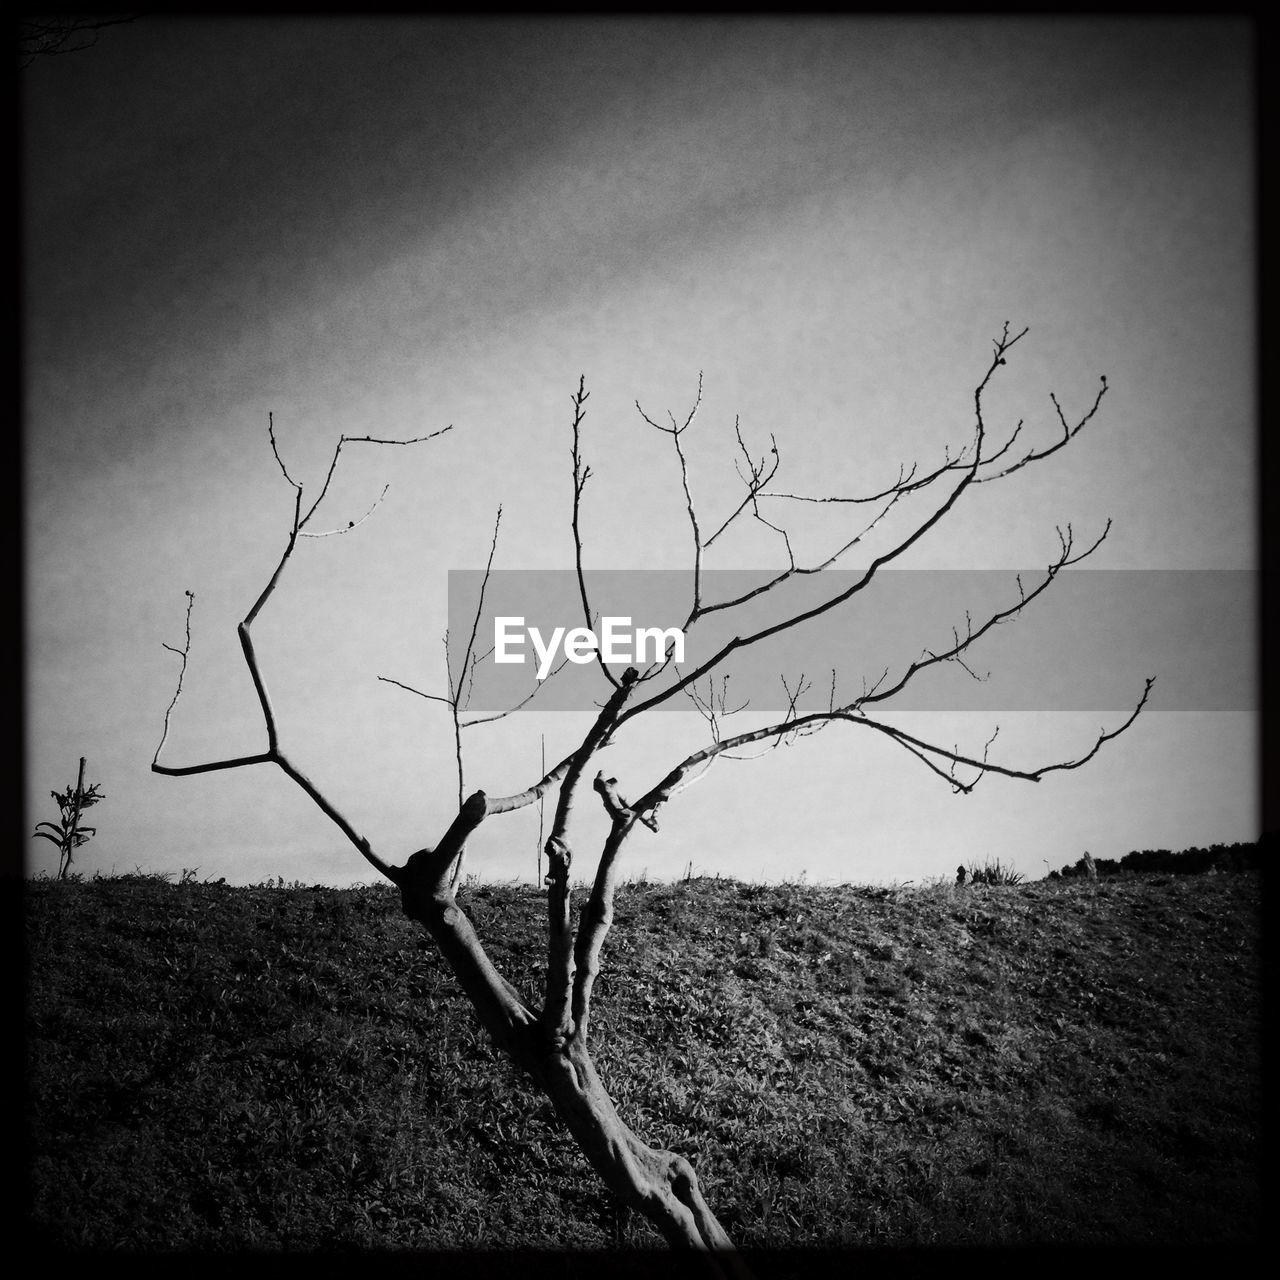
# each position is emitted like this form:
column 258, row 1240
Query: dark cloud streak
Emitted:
column 200, row 180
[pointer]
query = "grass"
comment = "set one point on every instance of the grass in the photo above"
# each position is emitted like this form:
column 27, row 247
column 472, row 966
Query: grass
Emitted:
column 271, row 1068
column 992, row 872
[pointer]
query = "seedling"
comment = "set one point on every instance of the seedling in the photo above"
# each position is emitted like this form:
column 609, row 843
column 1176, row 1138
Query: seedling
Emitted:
column 67, row 833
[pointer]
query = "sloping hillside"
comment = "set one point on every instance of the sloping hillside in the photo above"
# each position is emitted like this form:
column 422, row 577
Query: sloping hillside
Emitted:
column 283, row 1067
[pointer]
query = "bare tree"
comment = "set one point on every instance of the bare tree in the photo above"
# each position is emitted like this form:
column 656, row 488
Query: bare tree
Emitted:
column 549, row 1038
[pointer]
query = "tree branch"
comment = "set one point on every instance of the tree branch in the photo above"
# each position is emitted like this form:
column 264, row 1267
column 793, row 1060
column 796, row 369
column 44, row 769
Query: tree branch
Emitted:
column 273, row 753
column 581, row 474
column 50, row 37
column 1002, row 345
column 597, row 915
column 557, row 1014
column 428, row 898
column 1068, row 434
column 984, row 766
column 675, row 779
column 675, row 431
column 953, row 654
column 761, row 474
column 454, row 693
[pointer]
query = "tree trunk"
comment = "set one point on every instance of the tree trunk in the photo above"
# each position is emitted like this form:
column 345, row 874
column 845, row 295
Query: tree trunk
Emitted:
column 659, row 1184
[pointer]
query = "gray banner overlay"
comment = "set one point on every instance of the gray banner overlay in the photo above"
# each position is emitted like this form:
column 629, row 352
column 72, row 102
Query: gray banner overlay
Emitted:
column 1085, row 644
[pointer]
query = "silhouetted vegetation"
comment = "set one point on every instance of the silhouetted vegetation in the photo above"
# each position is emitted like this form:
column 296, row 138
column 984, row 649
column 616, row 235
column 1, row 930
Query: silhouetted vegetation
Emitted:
column 991, row 872
column 1187, row 862
column 67, row 833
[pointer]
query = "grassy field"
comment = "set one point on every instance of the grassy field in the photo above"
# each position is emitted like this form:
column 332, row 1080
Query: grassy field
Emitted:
column 270, row 1068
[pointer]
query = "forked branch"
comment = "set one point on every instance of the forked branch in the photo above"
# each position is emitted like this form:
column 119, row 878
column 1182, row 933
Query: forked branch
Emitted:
column 675, row 431
column 557, row 1014
column 597, row 914
column 928, row 752
column 972, row 464
column 967, row 472
column 273, row 754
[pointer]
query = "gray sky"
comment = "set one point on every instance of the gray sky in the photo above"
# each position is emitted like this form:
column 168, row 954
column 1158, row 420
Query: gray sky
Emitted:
column 386, row 226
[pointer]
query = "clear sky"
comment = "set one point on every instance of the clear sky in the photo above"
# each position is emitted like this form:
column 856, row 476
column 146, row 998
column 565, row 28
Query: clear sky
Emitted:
column 390, row 225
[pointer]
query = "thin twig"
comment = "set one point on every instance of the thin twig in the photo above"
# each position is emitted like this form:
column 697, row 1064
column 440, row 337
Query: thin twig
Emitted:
column 675, row 431
column 581, row 474
column 273, row 753
column 1002, row 345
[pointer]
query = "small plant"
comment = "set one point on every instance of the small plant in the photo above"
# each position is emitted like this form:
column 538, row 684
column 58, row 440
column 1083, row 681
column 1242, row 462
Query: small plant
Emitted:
column 67, row 833
column 994, row 873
